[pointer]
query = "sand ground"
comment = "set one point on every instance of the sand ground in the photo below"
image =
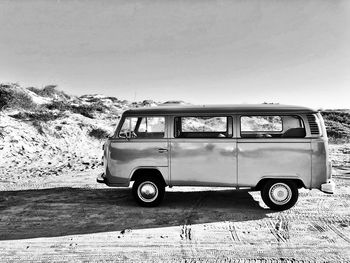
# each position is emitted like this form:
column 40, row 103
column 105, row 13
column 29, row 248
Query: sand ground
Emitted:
column 71, row 218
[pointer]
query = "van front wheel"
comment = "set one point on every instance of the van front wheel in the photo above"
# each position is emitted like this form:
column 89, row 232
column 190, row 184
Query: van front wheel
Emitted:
column 148, row 191
column 280, row 195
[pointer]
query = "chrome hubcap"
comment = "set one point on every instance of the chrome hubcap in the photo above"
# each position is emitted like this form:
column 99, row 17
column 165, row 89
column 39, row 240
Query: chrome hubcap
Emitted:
column 280, row 193
column 147, row 191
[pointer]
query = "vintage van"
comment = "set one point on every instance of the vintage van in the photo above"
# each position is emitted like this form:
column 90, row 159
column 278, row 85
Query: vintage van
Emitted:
column 273, row 148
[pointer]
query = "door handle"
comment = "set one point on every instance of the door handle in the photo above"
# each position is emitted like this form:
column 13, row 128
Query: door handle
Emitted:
column 162, row 150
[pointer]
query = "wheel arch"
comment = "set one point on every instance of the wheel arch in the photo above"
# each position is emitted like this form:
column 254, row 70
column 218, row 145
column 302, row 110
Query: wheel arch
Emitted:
column 147, row 171
column 263, row 181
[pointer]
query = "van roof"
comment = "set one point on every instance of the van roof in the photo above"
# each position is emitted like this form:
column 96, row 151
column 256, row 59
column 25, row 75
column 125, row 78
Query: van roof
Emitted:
column 232, row 108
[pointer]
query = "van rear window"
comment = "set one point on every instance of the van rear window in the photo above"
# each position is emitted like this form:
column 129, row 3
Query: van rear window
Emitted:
column 272, row 127
column 261, row 123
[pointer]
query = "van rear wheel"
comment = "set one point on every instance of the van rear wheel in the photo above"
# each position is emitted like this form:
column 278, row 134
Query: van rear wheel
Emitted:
column 280, row 195
column 148, row 191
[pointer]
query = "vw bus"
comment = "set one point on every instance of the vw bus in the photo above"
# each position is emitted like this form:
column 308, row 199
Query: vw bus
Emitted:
column 275, row 149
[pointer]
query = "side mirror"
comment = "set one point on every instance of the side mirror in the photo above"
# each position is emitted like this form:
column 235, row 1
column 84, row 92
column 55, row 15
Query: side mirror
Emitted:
column 123, row 135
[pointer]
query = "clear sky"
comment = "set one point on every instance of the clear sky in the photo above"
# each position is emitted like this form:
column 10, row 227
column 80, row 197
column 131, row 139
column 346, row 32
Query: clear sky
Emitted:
column 292, row 52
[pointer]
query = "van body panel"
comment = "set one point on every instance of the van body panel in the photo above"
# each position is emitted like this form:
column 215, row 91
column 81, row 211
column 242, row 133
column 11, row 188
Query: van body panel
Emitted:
column 273, row 158
column 127, row 155
column 203, row 162
column 320, row 165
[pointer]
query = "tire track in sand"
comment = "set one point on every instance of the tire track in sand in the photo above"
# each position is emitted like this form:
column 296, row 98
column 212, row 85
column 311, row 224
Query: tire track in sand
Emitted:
column 186, row 230
column 339, row 233
column 280, row 230
column 233, row 233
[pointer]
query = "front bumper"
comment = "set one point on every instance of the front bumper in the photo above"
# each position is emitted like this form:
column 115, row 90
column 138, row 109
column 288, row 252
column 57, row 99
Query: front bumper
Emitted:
column 328, row 187
column 100, row 179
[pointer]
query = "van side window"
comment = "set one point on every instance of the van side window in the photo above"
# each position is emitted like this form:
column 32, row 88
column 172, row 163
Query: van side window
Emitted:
column 261, row 123
column 143, row 128
column 202, row 127
column 272, row 127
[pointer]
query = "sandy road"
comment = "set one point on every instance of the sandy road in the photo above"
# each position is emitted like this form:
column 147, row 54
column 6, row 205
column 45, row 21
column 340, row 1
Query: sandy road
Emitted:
column 94, row 223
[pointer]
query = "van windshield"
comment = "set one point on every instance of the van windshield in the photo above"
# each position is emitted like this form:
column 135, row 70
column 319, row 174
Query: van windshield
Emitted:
column 143, row 127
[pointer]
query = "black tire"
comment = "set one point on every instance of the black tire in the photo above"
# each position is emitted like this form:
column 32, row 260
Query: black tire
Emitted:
column 280, row 195
column 146, row 197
